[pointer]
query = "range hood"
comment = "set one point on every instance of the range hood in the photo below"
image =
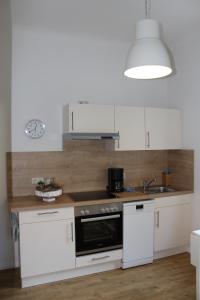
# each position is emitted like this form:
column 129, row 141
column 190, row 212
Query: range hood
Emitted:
column 90, row 136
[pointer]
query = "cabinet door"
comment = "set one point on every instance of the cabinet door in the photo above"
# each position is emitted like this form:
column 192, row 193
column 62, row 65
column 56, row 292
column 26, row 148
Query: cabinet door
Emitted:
column 172, row 227
column 163, row 128
column 129, row 122
column 47, row 247
column 91, row 118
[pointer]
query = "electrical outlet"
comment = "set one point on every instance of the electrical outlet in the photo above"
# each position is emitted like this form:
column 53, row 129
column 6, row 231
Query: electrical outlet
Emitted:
column 36, row 180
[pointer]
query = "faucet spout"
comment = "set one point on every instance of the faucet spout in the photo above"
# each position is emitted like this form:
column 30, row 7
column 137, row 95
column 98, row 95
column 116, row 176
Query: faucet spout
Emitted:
column 147, row 183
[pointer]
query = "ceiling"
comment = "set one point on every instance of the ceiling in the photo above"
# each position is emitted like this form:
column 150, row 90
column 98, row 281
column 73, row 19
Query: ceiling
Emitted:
column 110, row 19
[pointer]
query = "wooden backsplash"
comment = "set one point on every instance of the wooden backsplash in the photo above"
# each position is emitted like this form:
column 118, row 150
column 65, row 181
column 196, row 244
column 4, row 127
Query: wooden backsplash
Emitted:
column 83, row 166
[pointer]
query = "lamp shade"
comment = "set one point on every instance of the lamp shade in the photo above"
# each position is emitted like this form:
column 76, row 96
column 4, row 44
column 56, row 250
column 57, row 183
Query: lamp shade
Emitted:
column 148, row 58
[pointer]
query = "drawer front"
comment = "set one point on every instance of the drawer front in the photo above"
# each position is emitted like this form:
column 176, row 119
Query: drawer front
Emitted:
column 173, row 200
column 99, row 258
column 44, row 215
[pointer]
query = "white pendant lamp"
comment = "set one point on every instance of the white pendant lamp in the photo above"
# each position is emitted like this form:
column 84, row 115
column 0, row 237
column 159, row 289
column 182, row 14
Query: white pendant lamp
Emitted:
column 148, row 58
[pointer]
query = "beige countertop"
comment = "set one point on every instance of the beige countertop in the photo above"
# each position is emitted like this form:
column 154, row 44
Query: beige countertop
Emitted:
column 24, row 203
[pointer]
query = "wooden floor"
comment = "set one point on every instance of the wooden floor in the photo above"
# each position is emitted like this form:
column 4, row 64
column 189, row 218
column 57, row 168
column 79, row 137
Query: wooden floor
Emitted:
column 165, row 279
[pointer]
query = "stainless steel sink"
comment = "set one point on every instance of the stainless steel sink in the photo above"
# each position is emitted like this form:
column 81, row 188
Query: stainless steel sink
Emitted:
column 159, row 189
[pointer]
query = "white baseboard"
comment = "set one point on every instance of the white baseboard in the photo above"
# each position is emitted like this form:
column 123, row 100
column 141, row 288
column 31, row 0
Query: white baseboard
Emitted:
column 47, row 278
column 171, row 252
column 135, row 263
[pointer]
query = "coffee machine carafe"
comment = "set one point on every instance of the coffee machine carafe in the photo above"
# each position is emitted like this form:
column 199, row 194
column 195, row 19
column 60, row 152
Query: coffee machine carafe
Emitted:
column 115, row 180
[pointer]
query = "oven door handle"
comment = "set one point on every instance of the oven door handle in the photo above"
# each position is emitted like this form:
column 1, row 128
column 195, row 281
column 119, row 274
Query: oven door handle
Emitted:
column 100, row 218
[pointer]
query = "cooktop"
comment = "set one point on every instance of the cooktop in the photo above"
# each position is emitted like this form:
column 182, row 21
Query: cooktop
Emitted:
column 91, row 195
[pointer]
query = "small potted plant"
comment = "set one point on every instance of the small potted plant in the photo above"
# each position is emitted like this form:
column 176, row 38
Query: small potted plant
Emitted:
column 48, row 190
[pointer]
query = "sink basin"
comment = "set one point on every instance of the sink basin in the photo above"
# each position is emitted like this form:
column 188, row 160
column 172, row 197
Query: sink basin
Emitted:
column 159, row 189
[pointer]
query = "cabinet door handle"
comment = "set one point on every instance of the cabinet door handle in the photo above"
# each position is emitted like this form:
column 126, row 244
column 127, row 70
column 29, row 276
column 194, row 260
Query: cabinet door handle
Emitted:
column 158, row 219
column 48, row 213
column 118, row 141
column 72, row 120
column 99, row 258
column 148, row 139
column 72, row 231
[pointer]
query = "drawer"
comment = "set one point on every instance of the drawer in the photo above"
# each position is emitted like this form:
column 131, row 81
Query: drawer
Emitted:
column 173, row 200
column 35, row 216
column 99, row 258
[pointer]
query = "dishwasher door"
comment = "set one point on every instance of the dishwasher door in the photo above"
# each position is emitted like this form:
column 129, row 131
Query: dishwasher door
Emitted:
column 138, row 233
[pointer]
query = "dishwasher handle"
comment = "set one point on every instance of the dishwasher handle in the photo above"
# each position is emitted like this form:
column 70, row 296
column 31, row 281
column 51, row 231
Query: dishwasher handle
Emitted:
column 139, row 206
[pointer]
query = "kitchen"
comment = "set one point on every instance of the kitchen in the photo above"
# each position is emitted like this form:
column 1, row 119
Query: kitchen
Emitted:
column 45, row 66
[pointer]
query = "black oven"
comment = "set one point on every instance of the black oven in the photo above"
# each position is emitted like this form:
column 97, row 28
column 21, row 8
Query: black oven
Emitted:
column 98, row 228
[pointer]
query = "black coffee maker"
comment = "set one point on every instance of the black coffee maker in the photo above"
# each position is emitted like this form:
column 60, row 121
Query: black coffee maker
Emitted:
column 115, row 180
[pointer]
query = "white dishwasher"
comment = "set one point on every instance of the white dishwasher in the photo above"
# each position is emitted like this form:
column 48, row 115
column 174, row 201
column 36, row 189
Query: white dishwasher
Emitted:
column 138, row 233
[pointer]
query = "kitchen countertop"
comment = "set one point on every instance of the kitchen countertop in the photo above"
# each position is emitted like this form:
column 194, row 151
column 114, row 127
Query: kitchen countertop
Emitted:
column 24, row 203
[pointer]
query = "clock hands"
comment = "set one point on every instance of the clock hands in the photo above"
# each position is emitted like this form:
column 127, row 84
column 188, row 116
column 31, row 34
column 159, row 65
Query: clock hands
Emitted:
column 35, row 128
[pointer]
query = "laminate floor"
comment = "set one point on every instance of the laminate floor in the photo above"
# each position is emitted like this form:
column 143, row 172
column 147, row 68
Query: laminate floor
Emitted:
column 165, row 279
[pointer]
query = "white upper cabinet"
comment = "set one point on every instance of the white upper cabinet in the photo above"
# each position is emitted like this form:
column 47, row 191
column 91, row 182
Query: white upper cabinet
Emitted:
column 139, row 128
column 88, row 118
column 129, row 122
column 163, row 128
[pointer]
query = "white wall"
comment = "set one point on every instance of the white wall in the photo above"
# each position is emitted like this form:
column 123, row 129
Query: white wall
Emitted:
column 6, row 252
column 51, row 69
column 184, row 93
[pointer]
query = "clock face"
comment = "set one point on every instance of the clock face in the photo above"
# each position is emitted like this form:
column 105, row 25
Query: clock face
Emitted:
column 35, row 129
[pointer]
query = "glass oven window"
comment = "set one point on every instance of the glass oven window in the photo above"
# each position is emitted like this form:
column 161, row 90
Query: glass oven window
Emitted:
column 99, row 231
column 96, row 234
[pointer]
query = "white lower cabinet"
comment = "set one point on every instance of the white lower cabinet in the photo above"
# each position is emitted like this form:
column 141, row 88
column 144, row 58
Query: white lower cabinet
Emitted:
column 46, row 245
column 172, row 223
column 47, row 239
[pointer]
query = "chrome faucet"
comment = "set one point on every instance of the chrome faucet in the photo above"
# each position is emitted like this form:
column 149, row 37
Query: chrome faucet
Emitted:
column 147, row 183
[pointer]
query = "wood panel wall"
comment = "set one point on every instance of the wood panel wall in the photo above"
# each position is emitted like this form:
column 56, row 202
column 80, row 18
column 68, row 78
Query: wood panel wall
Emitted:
column 83, row 166
column 182, row 164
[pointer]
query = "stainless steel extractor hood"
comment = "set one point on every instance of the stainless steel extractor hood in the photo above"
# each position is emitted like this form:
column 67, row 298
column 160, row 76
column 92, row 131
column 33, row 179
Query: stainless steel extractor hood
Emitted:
column 90, row 136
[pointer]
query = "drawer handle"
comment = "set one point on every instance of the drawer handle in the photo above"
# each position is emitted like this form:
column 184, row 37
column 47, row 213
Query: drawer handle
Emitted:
column 99, row 258
column 48, row 213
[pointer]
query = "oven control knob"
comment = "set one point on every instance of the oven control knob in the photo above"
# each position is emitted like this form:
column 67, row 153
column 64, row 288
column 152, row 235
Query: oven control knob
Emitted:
column 87, row 212
column 82, row 212
column 112, row 209
column 103, row 210
column 115, row 208
column 107, row 209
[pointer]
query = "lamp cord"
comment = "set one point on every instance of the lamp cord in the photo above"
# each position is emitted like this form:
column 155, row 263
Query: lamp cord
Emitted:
column 147, row 8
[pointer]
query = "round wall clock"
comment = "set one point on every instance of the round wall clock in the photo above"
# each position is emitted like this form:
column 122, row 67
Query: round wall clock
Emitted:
column 35, row 129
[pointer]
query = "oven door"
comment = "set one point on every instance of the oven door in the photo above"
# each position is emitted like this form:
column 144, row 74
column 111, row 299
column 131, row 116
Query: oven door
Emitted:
column 98, row 233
